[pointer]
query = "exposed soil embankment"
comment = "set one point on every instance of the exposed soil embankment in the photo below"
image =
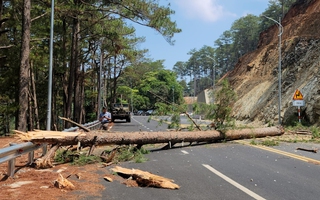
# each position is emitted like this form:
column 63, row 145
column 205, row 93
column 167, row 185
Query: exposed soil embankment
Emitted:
column 255, row 77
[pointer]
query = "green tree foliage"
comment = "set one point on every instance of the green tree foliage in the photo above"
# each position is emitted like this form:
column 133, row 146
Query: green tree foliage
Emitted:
column 220, row 111
column 276, row 9
column 245, row 34
column 88, row 36
column 152, row 86
column 224, row 99
column 241, row 38
column 234, row 43
column 161, row 86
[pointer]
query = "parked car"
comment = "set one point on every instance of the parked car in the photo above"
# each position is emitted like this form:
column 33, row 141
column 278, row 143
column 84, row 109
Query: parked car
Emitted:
column 141, row 112
column 149, row 112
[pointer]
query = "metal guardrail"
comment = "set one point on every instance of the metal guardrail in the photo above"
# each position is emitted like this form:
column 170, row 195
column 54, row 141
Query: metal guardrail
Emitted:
column 16, row 150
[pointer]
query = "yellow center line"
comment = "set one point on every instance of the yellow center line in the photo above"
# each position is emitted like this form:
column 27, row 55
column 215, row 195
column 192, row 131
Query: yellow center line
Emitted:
column 291, row 155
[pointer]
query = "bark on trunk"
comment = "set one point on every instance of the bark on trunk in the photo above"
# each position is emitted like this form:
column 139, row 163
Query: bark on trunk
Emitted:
column 73, row 69
column 65, row 69
column 1, row 10
column 24, row 66
column 77, row 100
column 141, row 138
column 34, row 99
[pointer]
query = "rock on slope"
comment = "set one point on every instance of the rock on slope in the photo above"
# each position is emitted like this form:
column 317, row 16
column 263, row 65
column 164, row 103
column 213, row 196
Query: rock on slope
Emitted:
column 255, row 77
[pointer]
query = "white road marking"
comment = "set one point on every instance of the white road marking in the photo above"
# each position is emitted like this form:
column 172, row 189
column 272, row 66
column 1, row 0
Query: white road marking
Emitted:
column 185, row 152
column 144, row 126
column 232, row 182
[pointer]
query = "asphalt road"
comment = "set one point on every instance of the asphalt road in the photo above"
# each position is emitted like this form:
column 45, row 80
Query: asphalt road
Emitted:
column 220, row 171
column 140, row 123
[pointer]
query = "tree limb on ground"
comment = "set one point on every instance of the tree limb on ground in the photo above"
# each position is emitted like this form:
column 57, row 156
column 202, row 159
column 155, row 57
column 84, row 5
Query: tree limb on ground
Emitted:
column 309, row 150
column 198, row 127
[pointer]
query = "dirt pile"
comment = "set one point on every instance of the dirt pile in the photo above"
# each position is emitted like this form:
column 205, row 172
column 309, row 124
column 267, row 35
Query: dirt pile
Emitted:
column 255, row 77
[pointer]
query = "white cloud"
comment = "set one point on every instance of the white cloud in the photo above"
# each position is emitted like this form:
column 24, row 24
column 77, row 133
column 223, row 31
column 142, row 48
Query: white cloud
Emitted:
column 206, row 10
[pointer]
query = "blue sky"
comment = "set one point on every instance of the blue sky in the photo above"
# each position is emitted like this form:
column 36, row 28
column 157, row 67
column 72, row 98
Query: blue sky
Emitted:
column 201, row 21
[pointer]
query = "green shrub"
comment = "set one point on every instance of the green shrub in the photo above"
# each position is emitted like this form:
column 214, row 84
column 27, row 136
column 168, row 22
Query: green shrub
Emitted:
column 270, row 143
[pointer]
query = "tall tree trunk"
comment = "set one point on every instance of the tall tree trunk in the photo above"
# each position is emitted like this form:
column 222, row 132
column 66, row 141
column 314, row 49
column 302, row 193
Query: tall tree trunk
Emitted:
column 114, row 99
column 1, row 9
column 34, row 99
column 77, row 101
column 97, row 106
column 73, row 69
column 55, row 95
column 30, row 112
column 24, row 66
column 64, row 79
column 82, row 96
column 30, row 109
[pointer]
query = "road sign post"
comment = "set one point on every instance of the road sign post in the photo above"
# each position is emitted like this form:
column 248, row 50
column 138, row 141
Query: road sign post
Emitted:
column 298, row 101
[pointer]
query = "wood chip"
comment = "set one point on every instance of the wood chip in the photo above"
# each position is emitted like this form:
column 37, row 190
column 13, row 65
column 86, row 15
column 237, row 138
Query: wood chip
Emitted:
column 147, row 179
column 63, row 183
column 107, row 178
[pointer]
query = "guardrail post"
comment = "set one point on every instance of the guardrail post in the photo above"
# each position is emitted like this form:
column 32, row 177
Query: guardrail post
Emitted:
column 31, row 157
column 11, row 165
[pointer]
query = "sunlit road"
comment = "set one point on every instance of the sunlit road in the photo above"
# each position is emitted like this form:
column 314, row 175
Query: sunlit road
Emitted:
column 220, row 171
column 139, row 123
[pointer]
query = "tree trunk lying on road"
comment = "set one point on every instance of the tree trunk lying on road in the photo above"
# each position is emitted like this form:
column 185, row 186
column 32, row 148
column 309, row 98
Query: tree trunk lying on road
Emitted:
column 141, row 138
column 94, row 138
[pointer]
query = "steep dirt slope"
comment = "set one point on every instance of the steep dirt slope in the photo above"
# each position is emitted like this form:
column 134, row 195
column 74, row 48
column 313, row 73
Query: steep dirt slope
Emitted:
column 255, row 77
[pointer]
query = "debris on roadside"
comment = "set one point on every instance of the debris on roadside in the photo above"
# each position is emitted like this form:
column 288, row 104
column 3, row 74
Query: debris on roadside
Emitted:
column 309, row 150
column 301, row 132
column 63, row 183
column 108, row 178
column 146, row 179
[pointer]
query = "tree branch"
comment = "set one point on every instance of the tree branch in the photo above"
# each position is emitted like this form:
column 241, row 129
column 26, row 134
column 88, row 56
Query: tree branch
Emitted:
column 75, row 123
column 6, row 47
column 39, row 16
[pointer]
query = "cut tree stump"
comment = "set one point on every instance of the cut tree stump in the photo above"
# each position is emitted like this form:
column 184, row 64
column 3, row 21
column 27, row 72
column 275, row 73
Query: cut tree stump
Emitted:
column 146, row 179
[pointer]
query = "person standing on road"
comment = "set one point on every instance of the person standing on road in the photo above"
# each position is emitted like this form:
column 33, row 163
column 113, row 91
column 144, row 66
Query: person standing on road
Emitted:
column 105, row 118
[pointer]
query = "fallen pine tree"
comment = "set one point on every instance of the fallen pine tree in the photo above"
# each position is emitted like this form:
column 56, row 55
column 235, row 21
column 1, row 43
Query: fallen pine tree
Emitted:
column 100, row 138
column 141, row 138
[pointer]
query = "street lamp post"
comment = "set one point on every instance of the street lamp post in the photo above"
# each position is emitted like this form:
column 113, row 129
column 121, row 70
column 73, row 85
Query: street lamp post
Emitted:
column 49, row 106
column 50, row 68
column 279, row 66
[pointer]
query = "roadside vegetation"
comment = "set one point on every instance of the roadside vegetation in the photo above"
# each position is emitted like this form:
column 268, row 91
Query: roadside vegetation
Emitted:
column 107, row 66
column 119, row 154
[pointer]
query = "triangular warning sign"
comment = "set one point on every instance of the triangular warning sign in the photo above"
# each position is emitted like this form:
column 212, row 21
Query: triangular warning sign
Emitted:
column 297, row 95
